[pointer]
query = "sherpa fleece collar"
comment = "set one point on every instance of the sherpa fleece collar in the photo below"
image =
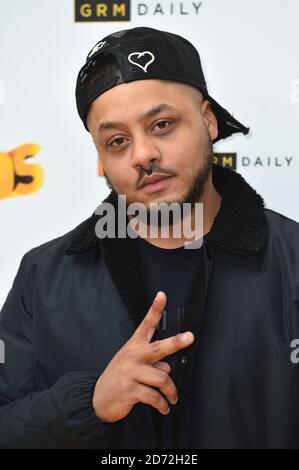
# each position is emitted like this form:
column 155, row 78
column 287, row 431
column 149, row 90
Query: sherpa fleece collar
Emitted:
column 238, row 228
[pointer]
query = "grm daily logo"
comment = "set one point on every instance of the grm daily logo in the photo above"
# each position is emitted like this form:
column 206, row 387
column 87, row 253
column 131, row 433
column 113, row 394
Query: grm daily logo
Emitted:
column 109, row 10
column 120, row 10
column 234, row 162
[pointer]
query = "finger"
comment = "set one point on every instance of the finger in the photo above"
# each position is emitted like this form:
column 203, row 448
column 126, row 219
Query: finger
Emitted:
column 159, row 379
column 164, row 366
column 151, row 320
column 152, row 397
column 159, row 349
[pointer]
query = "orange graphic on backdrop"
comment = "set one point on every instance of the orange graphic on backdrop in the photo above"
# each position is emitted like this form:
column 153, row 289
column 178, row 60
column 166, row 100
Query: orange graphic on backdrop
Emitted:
column 18, row 178
column 100, row 168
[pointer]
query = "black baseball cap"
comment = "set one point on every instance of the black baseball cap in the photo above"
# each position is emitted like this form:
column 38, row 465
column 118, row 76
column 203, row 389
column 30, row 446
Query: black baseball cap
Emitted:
column 143, row 53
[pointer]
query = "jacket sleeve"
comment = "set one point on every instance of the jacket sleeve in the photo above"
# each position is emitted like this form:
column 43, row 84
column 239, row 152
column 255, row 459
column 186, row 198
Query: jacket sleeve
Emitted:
column 60, row 417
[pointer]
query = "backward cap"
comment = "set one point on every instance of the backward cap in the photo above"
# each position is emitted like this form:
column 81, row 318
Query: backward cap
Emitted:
column 144, row 53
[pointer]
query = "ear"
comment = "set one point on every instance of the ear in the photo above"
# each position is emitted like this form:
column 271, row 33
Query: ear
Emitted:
column 209, row 119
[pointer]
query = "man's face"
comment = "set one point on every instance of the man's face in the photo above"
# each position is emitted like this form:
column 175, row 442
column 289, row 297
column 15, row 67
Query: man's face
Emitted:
column 154, row 126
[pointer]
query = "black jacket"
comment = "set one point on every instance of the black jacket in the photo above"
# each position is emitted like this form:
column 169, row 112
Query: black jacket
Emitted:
column 76, row 300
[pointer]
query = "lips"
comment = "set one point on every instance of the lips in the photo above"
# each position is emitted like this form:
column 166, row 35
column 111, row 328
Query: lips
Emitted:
column 156, row 184
column 153, row 179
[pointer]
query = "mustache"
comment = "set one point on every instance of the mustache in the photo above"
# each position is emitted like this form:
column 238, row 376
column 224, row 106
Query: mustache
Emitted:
column 154, row 169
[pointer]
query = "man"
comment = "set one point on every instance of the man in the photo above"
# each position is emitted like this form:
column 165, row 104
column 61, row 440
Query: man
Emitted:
column 125, row 342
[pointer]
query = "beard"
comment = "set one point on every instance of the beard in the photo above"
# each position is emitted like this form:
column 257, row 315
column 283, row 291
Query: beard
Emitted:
column 159, row 214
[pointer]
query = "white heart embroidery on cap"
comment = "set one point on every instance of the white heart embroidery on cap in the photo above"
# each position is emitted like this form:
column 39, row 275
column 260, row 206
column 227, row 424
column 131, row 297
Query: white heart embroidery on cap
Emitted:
column 141, row 54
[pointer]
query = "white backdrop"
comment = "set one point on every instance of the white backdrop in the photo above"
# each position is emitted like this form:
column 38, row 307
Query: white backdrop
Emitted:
column 249, row 53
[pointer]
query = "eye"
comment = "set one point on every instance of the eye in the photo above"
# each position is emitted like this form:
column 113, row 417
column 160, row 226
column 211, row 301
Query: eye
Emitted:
column 118, row 142
column 163, row 122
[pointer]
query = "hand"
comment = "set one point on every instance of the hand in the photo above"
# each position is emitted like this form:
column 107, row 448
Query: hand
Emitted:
column 136, row 373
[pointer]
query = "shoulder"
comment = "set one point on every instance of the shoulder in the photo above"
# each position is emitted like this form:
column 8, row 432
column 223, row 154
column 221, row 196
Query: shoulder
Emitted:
column 281, row 223
column 283, row 232
column 56, row 249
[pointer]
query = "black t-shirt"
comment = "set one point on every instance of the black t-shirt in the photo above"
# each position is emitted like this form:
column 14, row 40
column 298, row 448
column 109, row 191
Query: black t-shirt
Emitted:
column 172, row 271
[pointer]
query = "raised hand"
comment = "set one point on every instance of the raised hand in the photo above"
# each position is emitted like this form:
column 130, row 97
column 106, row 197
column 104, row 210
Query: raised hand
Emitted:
column 136, row 373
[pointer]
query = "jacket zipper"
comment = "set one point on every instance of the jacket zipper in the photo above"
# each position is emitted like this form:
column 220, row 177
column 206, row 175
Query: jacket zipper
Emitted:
column 208, row 266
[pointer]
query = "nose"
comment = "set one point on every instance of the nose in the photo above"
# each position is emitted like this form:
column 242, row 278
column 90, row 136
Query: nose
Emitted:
column 144, row 152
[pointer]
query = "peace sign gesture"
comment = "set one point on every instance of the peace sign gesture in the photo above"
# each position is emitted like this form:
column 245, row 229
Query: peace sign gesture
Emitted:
column 136, row 373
